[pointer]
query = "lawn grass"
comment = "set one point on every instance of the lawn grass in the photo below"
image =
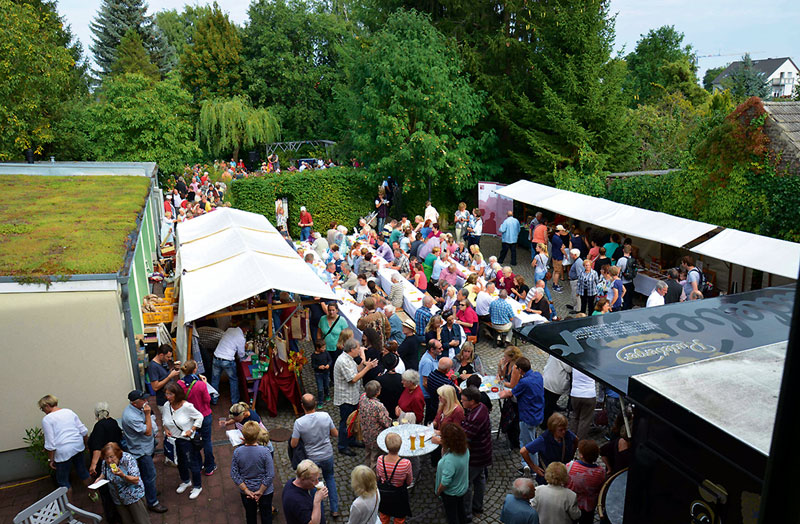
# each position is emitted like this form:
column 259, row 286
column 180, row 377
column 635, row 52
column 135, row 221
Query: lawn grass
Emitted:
column 67, row 225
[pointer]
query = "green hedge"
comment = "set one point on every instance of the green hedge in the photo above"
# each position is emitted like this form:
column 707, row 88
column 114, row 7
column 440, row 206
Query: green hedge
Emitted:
column 340, row 194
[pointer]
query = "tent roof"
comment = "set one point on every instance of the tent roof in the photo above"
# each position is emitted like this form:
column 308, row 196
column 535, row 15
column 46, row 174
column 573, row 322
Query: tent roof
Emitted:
column 633, row 221
column 730, row 245
column 230, row 255
column 770, row 255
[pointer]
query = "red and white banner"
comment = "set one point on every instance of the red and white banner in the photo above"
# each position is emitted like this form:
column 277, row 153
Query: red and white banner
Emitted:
column 494, row 208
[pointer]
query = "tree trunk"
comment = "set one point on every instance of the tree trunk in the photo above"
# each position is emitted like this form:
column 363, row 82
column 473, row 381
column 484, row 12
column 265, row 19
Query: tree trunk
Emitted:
column 236, row 154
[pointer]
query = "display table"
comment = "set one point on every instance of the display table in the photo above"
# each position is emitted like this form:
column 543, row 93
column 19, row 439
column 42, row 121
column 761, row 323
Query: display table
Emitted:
column 405, row 431
column 645, row 283
column 487, row 383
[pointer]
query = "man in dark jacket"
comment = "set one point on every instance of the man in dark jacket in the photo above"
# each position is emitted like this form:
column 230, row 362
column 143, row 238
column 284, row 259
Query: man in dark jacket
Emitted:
column 674, row 289
column 478, row 428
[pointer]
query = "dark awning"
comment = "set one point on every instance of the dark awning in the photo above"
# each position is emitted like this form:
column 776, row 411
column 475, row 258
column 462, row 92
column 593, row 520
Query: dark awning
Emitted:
column 613, row 347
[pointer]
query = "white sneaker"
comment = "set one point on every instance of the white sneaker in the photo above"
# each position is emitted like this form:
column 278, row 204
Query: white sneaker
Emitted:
column 195, row 493
column 183, row 487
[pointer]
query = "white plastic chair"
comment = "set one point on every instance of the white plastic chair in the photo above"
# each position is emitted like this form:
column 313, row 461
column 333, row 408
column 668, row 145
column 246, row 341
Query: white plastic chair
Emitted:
column 54, row 508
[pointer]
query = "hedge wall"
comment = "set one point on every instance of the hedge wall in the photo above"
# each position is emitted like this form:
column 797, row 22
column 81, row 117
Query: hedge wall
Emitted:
column 340, row 194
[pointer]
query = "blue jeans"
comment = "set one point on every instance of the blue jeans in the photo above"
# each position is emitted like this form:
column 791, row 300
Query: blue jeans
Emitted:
column 229, row 367
column 330, row 482
column 305, row 233
column 208, row 448
column 63, row 469
column 147, row 470
column 539, row 275
column 527, row 434
column 381, row 222
column 189, row 460
column 323, row 385
column 344, row 412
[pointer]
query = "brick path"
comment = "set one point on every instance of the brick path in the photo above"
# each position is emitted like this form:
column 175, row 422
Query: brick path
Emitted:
column 219, row 501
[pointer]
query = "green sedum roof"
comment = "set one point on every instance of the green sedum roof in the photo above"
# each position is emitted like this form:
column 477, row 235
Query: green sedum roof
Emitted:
column 52, row 225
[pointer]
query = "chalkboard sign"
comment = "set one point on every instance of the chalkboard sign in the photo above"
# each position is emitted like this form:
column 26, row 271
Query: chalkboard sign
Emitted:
column 615, row 346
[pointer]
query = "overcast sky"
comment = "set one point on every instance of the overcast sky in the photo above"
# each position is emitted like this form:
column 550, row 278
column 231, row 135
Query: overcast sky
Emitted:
column 713, row 27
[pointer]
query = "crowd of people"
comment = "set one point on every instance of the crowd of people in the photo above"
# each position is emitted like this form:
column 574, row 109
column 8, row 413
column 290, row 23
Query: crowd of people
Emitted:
column 404, row 369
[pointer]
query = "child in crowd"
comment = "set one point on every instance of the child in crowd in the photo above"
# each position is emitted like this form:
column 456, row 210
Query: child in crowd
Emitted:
column 321, row 361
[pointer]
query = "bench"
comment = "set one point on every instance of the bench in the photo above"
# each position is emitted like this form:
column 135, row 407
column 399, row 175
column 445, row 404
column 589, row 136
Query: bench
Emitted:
column 54, row 508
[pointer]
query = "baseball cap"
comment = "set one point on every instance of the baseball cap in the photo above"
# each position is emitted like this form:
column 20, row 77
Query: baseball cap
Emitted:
column 137, row 395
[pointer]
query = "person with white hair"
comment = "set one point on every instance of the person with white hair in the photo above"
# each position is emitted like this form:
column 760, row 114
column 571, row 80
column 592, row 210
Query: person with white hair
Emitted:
column 656, row 297
column 396, row 324
column 574, row 274
column 396, row 292
column 517, row 507
column 105, row 430
column 306, row 223
column 320, row 245
column 301, row 502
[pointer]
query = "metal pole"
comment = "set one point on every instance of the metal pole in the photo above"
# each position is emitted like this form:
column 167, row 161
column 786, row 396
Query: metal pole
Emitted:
column 783, row 456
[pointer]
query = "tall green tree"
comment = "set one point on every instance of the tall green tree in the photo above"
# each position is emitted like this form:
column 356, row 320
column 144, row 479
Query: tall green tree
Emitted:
column 659, row 47
column 409, row 108
column 292, row 63
column 133, row 58
column 709, row 76
column 746, row 81
column 679, row 77
column 113, row 20
column 38, row 76
column 178, row 27
column 211, row 66
column 137, row 119
column 228, row 124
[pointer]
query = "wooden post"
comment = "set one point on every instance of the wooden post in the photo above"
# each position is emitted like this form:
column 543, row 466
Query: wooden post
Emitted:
column 189, row 345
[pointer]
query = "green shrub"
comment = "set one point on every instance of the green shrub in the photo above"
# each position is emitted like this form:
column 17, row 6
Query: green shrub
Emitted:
column 340, row 194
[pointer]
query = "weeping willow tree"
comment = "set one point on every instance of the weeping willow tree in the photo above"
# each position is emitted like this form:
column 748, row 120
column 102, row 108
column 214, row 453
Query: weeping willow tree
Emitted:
column 229, row 124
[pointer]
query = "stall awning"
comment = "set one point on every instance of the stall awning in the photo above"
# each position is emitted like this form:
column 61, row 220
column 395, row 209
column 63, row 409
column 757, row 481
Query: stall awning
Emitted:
column 770, row 255
column 614, row 347
column 230, row 255
column 632, row 221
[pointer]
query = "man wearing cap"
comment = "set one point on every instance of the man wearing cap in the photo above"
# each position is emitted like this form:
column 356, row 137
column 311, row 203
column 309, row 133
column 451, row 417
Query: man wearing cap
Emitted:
column 139, row 427
column 408, row 350
column 306, row 222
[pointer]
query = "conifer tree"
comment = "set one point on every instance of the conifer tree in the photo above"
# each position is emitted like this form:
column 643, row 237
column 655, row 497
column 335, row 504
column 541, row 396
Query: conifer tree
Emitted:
column 113, row 20
column 746, row 81
column 133, row 58
column 212, row 65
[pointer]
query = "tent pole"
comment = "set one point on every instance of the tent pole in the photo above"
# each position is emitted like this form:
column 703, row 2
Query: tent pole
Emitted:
column 189, row 345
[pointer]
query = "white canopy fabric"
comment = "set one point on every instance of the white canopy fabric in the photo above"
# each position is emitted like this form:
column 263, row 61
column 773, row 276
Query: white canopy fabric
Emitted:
column 770, row 255
column 633, row 221
column 229, row 255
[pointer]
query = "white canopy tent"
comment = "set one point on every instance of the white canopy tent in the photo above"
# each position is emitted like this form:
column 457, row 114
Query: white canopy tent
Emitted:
column 632, row 221
column 770, row 255
column 230, row 255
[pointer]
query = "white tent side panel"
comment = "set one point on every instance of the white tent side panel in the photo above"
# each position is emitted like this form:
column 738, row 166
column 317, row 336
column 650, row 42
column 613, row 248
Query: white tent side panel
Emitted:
column 770, row 255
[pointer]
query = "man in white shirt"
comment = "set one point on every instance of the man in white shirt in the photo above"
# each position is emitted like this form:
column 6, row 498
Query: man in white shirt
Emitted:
column 431, row 213
column 230, row 346
column 483, row 301
column 656, row 297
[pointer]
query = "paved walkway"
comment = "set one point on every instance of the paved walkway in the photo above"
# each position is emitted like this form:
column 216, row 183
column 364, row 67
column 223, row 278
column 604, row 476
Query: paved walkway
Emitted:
column 219, row 501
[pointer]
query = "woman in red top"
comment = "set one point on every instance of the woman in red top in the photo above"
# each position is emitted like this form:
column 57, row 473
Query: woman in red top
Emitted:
column 586, row 479
column 411, row 399
column 197, row 394
column 467, row 318
column 450, row 410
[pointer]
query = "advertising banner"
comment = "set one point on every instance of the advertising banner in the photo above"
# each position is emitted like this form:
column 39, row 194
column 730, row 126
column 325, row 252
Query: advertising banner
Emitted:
column 493, row 206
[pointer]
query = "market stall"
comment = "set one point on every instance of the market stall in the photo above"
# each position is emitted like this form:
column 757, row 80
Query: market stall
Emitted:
column 704, row 377
column 227, row 257
column 723, row 248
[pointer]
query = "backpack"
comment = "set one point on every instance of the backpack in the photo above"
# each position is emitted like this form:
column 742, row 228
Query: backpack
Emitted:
column 631, row 269
column 703, row 286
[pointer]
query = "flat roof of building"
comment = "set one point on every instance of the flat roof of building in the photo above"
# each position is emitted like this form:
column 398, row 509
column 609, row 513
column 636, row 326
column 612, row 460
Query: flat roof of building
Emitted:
column 67, row 225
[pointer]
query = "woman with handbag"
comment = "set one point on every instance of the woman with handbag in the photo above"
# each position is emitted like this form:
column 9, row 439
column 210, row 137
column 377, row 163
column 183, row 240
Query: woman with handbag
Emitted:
column 394, row 477
column 197, row 395
column 364, row 509
column 540, row 267
column 182, row 421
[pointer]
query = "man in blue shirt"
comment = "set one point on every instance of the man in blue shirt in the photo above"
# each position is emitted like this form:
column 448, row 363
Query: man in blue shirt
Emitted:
column 422, row 317
column 529, row 393
column 501, row 314
column 509, row 230
column 517, row 507
column 558, row 256
column 427, row 365
column 139, row 428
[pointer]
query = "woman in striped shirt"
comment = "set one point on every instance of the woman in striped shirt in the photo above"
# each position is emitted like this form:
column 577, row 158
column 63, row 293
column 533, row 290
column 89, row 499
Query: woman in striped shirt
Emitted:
column 396, row 472
column 587, row 287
